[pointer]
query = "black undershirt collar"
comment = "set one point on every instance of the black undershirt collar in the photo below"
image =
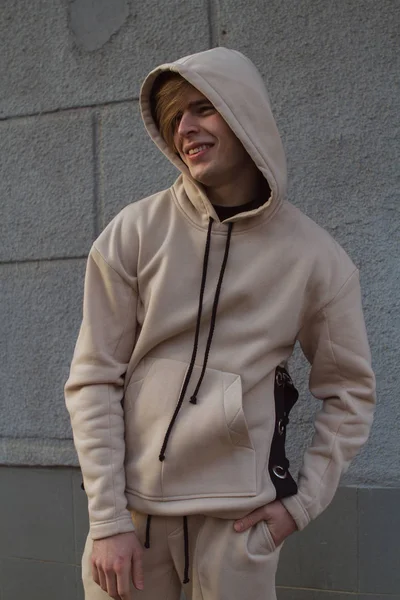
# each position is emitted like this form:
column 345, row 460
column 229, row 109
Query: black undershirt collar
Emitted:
column 226, row 212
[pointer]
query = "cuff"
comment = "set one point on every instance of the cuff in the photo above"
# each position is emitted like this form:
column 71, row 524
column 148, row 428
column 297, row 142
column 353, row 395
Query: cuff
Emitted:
column 296, row 509
column 105, row 529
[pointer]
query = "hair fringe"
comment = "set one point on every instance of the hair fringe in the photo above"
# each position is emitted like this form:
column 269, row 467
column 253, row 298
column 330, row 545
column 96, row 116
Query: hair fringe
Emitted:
column 166, row 100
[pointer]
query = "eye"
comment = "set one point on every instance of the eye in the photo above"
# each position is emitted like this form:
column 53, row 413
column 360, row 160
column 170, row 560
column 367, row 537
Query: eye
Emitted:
column 176, row 120
column 206, row 109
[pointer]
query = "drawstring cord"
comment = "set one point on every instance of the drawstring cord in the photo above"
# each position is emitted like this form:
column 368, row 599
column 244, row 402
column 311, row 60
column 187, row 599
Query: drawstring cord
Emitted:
column 185, row 543
column 195, row 344
column 147, row 541
column 193, row 399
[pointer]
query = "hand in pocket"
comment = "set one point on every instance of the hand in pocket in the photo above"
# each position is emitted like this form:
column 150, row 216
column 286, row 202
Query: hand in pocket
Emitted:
column 279, row 521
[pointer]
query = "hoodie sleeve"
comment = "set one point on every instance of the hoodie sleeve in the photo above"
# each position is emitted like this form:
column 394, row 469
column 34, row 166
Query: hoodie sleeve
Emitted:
column 336, row 345
column 94, row 390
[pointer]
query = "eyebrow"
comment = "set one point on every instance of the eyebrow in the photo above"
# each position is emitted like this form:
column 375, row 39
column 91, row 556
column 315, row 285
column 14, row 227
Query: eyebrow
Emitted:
column 197, row 103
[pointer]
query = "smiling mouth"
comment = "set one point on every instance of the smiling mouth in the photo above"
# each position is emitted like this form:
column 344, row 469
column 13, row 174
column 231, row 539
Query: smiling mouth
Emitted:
column 194, row 152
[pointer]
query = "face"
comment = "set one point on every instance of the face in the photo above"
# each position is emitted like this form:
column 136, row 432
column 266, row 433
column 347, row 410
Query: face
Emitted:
column 206, row 144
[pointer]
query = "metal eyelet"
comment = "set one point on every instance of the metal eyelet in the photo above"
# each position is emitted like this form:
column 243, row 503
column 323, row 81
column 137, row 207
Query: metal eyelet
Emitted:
column 283, row 379
column 279, row 472
column 281, row 427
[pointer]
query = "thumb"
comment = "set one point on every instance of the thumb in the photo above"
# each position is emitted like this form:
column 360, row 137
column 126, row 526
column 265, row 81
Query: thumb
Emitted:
column 249, row 520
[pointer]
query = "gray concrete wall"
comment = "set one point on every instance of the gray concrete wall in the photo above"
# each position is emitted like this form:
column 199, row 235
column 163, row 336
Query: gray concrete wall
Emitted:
column 73, row 152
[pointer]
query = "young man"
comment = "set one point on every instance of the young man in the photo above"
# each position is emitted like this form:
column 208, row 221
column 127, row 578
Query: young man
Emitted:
column 179, row 394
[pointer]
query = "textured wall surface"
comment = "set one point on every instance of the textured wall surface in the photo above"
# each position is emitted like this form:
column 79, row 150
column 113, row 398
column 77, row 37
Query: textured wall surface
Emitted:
column 63, row 53
column 73, row 152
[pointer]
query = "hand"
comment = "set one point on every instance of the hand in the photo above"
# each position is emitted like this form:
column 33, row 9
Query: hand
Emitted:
column 280, row 522
column 115, row 560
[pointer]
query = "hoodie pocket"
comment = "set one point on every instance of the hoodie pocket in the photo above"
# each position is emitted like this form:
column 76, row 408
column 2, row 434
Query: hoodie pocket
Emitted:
column 209, row 452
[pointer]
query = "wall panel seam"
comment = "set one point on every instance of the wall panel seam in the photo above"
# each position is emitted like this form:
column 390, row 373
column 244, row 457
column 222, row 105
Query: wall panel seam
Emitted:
column 66, row 109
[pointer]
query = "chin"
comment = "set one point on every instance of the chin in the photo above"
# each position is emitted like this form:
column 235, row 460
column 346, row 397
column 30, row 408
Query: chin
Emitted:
column 205, row 178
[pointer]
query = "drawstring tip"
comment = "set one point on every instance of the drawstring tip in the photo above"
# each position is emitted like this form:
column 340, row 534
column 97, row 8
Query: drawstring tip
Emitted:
column 147, row 540
column 193, row 400
column 161, row 458
column 186, row 580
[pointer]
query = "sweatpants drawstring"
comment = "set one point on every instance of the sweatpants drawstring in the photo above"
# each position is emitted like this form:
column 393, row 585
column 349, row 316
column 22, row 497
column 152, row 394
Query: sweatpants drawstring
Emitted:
column 186, row 550
column 147, row 541
column 185, row 545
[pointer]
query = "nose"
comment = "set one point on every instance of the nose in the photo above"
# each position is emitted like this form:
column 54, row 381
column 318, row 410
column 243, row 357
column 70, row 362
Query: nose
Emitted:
column 187, row 124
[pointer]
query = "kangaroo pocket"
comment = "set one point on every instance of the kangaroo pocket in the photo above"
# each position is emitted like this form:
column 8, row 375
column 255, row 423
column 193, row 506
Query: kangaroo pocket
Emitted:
column 209, row 451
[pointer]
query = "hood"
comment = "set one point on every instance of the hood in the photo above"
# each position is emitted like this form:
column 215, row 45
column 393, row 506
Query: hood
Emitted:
column 235, row 87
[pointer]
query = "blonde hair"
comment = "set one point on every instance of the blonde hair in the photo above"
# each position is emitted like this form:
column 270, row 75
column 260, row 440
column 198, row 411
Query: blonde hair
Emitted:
column 167, row 101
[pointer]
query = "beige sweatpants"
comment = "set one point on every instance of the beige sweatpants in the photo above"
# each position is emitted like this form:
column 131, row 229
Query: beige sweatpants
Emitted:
column 223, row 564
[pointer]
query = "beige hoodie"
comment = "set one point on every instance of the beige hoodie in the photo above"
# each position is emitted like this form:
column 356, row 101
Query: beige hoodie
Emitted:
column 286, row 280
